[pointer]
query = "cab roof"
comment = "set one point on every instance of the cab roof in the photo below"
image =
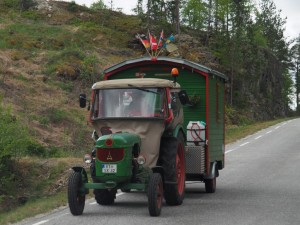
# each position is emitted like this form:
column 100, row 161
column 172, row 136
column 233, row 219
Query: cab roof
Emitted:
column 135, row 82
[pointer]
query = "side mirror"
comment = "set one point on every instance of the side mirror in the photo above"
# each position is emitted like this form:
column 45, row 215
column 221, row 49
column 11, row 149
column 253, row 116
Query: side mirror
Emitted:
column 184, row 98
column 82, row 100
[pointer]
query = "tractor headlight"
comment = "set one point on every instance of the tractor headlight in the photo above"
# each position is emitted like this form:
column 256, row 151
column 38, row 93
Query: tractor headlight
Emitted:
column 87, row 158
column 141, row 160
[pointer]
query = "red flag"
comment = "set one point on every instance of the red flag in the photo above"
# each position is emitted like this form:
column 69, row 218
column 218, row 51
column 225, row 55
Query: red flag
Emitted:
column 153, row 43
column 161, row 38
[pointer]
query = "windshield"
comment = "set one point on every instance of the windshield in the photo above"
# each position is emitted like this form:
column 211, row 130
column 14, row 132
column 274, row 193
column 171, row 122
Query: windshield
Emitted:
column 129, row 102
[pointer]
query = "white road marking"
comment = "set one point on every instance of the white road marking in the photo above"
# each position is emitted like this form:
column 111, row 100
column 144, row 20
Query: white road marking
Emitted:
column 231, row 150
column 41, row 222
column 245, row 143
column 256, row 138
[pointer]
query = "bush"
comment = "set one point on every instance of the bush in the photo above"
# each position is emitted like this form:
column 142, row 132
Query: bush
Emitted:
column 90, row 69
column 15, row 4
column 35, row 149
column 57, row 115
column 14, row 140
column 19, row 4
column 73, row 7
column 33, row 15
column 14, row 137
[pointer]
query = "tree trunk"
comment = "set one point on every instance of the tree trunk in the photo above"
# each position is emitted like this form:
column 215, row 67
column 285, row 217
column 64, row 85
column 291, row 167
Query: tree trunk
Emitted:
column 177, row 16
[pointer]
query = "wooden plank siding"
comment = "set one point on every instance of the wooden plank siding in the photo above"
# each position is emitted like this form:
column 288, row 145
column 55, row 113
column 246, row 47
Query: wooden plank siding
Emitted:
column 216, row 119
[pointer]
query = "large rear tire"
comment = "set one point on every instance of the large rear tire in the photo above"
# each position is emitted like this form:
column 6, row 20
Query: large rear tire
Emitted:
column 155, row 194
column 105, row 197
column 173, row 162
column 76, row 196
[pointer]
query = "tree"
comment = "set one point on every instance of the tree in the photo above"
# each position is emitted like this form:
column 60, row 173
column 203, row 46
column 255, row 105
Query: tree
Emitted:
column 139, row 8
column 177, row 16
column 98, row 5
column 194, row 14
column 26, row 4
column 273, row 27
column 295, row 51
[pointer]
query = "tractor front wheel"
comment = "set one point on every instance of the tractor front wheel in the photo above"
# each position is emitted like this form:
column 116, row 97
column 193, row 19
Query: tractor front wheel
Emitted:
column 76, row 194
column 155, row 194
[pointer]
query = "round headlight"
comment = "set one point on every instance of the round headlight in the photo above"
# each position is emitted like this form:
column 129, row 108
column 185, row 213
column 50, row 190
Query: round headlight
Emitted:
column 141, row 160
column 87, row 158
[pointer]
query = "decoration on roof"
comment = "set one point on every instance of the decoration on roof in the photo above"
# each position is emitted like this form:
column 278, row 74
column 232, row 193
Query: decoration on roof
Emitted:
column 154, row 47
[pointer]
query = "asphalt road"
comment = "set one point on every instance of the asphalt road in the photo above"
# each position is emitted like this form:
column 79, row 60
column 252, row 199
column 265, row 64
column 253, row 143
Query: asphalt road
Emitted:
column 260, row 185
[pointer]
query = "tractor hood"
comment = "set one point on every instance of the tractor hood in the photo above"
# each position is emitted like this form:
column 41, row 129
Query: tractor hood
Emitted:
column 150, row 132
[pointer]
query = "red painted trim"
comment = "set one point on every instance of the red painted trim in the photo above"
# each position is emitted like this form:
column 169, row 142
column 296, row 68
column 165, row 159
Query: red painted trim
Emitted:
column 92, row 103
column 145, row 63
column 207, row 157
column 170, row 118
column 224, row 127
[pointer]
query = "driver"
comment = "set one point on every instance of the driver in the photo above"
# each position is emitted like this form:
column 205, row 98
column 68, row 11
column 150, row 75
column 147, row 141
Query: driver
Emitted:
column 135, row 107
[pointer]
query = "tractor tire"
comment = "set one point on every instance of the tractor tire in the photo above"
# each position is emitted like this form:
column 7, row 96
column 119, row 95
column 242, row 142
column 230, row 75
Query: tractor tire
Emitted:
column 173, row 162
column 105, row 197
column 76, row 197
column 155, row 194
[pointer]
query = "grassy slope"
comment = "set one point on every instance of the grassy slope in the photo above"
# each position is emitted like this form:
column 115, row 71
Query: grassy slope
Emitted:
column 48, row 58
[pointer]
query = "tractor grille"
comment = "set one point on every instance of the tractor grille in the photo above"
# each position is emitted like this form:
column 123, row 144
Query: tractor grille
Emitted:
column 110, row 154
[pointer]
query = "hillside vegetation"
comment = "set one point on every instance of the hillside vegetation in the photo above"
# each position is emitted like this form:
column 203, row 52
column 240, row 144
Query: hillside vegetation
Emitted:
column 47, row 58
column 52, row 52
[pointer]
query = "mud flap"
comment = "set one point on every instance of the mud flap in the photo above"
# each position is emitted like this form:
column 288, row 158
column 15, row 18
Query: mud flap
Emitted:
column 84, row 175
column 214, row 172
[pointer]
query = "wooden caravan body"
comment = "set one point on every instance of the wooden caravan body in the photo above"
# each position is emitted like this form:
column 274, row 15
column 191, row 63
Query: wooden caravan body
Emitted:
column 206, row 89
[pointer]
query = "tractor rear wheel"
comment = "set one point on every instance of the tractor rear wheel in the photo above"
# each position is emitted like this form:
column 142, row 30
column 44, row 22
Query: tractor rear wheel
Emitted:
column 76, row 196
column 105, row 197
column 173, row 162
column 155, row 194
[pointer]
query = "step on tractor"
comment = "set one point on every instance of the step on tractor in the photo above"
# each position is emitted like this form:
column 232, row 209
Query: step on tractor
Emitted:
column 150, row 135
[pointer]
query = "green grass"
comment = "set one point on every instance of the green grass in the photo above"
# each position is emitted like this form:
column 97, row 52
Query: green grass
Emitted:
column 34, row 207
column 234, row 133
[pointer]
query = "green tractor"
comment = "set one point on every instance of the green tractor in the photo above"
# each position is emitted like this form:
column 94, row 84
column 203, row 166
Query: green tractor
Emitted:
column 140, row 146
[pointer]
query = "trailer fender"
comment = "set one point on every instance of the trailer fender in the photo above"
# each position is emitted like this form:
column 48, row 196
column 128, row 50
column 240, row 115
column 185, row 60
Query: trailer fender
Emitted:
column 214, row 172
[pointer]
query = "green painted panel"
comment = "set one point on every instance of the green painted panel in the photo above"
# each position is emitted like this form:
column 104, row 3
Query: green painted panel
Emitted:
column 216, row 119
column 194, row 84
